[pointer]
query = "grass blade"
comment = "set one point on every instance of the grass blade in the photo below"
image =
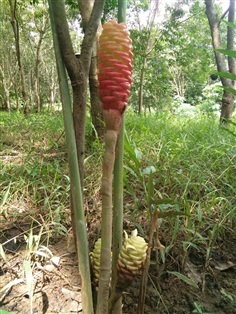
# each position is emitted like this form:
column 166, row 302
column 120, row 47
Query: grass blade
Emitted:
column 183, row 278
column 29, row 282
column 2, row 254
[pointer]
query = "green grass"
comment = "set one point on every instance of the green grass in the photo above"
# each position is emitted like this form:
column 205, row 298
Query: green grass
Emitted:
column 34, row 175
column 193, row 163
column 193, row 159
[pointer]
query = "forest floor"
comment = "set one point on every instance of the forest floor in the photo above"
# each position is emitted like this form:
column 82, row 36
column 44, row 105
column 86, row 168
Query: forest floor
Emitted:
column 56, row 286
column 38, row 263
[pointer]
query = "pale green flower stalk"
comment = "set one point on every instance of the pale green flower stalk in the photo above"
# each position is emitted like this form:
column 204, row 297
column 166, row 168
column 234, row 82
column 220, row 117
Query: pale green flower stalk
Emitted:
column 115, row 69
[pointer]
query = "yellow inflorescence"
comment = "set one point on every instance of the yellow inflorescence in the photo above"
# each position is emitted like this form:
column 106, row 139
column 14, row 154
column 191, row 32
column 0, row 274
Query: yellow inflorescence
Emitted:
column 132, row 256
column 95, row 260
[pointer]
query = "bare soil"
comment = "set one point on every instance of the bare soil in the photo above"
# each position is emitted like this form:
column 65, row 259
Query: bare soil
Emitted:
column 57, row 288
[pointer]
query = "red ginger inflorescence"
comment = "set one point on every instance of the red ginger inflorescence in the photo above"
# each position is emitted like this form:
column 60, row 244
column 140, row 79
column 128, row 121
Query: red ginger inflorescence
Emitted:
column 115, row 69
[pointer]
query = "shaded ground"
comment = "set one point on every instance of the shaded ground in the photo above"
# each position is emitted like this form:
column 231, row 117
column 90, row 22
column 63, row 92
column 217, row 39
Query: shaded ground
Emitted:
column 216, row 293
column 56, row 283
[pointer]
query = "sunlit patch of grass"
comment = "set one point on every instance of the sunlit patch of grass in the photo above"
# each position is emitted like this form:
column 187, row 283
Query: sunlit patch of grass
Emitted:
column 35, row 187
column 25, row 135
column 34, row 173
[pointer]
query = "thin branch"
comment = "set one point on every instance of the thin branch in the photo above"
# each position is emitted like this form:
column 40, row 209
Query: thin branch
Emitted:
column 90, row 34
column 223, row 15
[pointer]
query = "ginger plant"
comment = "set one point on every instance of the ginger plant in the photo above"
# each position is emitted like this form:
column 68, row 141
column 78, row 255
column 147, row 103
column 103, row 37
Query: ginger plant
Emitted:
column 115, row 69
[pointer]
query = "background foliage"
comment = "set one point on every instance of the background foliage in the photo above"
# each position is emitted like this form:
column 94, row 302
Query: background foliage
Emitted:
column 179, row 58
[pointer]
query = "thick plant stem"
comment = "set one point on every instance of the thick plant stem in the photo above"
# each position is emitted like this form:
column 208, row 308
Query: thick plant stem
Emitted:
column 77, row 199
column 122, row 5
column 106, row 226
column 115, row 303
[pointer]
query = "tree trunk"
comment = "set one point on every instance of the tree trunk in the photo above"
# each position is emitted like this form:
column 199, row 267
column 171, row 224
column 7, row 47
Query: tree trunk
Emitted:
column 51, row 75
column 153, row 9
column 78, row 69
column 141, row 84
column 6, row 89
column 227, row 106
column 15, row 27
column 16, row 95
column 230, row 37
column 96, row 108
column 37, row 62
column 52, row 95
column 37, row 85
column 228, row 98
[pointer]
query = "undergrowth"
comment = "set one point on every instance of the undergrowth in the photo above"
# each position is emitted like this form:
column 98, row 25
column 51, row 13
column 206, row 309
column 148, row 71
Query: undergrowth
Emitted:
column 191, row 163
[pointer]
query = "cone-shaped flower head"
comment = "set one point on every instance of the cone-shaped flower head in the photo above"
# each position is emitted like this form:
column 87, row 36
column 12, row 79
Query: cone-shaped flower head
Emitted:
column 95, row 260
column 131, row 257
column 115, row 69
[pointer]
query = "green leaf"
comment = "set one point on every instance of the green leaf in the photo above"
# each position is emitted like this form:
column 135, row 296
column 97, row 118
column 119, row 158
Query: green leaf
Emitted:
column 230, row 89
column 183, row 278
column 230, row 24
column 29, row 282
column 4, row 312
column 171, row 214
column 231, row 122
column 229, row 131
column 227, row 295
column 134, row 154
column 5, row 195
column 231, row 53
column 164, row 201
column 189, row 244
column 198, row 308
column 227, row 75
column 150, row 189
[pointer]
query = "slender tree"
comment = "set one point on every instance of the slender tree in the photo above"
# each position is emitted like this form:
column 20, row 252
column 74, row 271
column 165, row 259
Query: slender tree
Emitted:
column 15, row 27
column 64, row 53
column 227, row 105
column 96, row 108
column 150, row 39
column 41, row 30
column 78, row 69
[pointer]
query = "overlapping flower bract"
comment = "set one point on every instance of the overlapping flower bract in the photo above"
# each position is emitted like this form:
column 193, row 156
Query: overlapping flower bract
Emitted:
column 114, row 66
column 95, row 260
column 95, row 256
column 132, row 256
column 130, row 261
